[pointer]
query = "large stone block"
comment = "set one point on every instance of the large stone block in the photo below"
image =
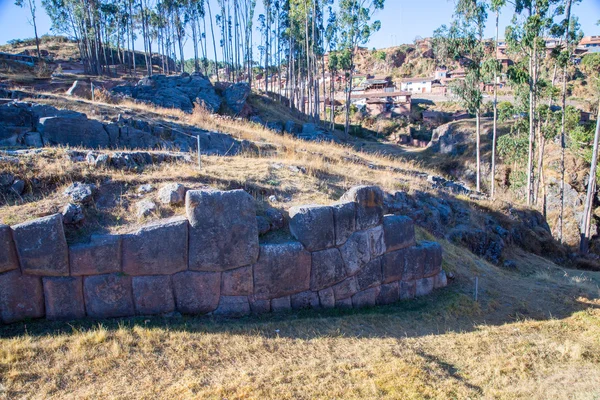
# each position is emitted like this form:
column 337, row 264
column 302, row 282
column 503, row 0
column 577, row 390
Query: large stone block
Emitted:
column 366, row 298
column 369, row 210
column 157, row 249
column 414, row 262
column 408, row 290
column 42, row 246
column 344, row 220
column 327, row 269
column 281, row 270
column 370, row 275
column 399, row 232
column 313, row 226
column 8, row 253
column 327, row 298
column 424, row 286
column 153, row 294
column 440, row 280
column 237, row 282
column 223, row 231
column 376, row 241
column 197, row 292
column 345, row 289
column 259, row 306
column 281, row 304
column 306, row 299
column 64, row 297
column 389, row 293
column 433, row 258
column 233, row 306
column 343, row 303
column 21, row 297
column 393, row 265
column 108, row 296
column 101, row 256
column 356, row 252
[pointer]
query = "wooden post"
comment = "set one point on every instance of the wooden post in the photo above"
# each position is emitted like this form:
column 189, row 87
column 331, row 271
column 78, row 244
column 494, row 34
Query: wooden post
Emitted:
column 199, row 159
column 92, row 86
column 476, row 287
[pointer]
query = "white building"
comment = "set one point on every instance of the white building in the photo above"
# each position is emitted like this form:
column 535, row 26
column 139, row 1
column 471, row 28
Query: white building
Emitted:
column 416, row 85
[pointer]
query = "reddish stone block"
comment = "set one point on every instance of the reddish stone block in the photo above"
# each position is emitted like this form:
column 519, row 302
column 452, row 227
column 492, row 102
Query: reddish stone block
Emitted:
column 108, row 296
column 258, row 306
column 21, row 297
column 42, row 246
column 281, row 270
column 345, row 289
column 64, row 297
column 233, row 306
column 101, row 256
column 366, row 298
column 197, row 292
column 153, row 294
column 8, row 253
column 157, row 249
column 238, row 282
column 389, row 293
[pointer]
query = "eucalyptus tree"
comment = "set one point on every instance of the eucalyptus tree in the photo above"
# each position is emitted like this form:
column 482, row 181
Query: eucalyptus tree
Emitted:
column 463, row 42
column 31, row 4
column 356, row 29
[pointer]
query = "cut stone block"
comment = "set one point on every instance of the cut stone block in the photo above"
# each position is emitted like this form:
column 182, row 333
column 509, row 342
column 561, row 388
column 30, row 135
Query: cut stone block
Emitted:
column 306, row 299
column 393, row 265
column 197, row 292
column 356, row 252
column 281, row 304
column 8, row 253
column 440, row 280
column 369, row 209
column 345, row 289
column 389, row 293
column 433, row 258
column 238, row 282
column 233, row 306
column 64, row 297
column 223, row 231
column 153, row 295
column 366, row 298
column 101, row 256
column 157, row 249
column 414, row 262
column 424, row 286
column 343, row 303
column 344, row 220
column 21, row 297
column 258, row 306
column 108, row 296
column 327, row 298
column 313, row 226
column 327, row 269
column 376, row 241
column 399, row 232
column 42, row 246
column 408, row 290
column 370, row 275
column 281, row 270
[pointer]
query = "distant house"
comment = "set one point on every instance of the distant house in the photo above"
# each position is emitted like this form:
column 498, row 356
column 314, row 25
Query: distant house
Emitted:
column 591, row 44
column 416, row 85
column 440, row 73
column 380, row 102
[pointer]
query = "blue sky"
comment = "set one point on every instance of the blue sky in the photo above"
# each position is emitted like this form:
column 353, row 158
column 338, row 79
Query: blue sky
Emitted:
column 401, row 21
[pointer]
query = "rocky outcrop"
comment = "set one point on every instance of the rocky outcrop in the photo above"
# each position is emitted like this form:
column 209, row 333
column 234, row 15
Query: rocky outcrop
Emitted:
column 182, row 91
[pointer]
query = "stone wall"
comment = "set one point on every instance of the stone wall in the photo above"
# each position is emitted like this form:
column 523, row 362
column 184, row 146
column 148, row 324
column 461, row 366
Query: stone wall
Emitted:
column 346, row 255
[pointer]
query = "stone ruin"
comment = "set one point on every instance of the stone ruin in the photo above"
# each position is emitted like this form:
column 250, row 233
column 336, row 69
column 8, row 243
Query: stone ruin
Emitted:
column 348, row 254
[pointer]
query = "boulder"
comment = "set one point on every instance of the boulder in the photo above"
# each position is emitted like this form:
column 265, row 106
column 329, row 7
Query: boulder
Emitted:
column 399, row 232
column 64, row 297
column 313, row 226
column 146, row 188
column 9, row 260
column 369, row 201
column 233, row 306
column 18, row 186
column 33, row 139
column 153, row 294
column 275, row 218
column 80, row 192
column 281, row 270
column 42, row 246
column 6, row 179
column 223, row 230
column 305, row 300
column 292, row 127
column 263, row 225
column 72, row 214
column 21, row 297
column 74, row 130
column 172, row 194
column 145, row 208
column 238, row 282
column 108, row 296
column 101, row 256
column 197, row 292
column 327, row 269
column 80, row 89
column 275, row 126
column 356, row 252
column 159, row 248
column 344, row 221
column 236, row 95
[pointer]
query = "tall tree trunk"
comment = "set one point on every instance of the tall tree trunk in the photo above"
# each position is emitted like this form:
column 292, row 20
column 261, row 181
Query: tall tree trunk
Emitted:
column 212, row 31
column 495, row 132
column 587, row 211
column 478, row 133
column 349, row 86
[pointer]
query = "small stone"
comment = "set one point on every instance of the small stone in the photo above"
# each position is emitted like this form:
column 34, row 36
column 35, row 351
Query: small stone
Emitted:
column 80, row 192
column 440, row 280
column 172, row 194
column 144, row 189
column 73, row 214
column 102, row 160
column 145, row 208
column 6, row 179
column 272, row 198
column 18, row 186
